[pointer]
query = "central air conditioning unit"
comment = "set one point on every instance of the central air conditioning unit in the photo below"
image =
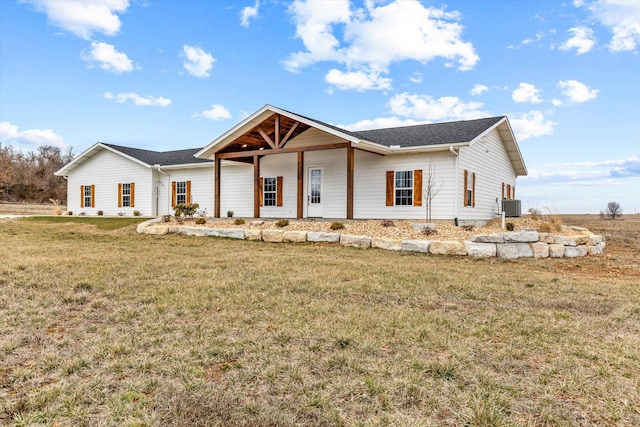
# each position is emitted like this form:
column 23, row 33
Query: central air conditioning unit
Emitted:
column 511, row 208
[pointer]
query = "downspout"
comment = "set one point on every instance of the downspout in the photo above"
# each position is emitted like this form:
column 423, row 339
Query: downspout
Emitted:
column 455, row 183
column 158, row 190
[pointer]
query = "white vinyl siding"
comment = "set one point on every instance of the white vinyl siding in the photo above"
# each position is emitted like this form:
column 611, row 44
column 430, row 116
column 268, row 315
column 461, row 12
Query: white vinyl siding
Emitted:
column 370, row 185
column 106, row 170
column 201, row 188
column 488, row 159
column 236, row 188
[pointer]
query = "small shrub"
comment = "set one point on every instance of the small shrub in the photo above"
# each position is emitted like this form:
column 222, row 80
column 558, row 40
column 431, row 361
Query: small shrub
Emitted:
column 185, row 209
column 82, row 214
column 69, row 213
column 282, row 223
column 56, row 209
column 202, row 213
column 467, row 227
column 100, row 213
column 120, row 213
column 388, row 223
column 229, row 214
column 535, row 213
column 510, row 226
column 166, row 218
column 136, row 213
column 201, row 221
column 551, row 224
column 336, row 225
column 238, row 221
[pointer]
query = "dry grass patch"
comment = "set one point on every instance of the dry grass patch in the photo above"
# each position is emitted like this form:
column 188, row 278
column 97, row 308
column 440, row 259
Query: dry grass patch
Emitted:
column 106, row 327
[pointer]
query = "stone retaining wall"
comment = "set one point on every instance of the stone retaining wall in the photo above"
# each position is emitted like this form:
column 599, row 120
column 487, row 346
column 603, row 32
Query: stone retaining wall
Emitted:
column 520, row 244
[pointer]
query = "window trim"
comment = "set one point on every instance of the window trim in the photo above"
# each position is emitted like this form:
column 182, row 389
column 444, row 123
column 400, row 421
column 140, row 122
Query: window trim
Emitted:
column 270, row 191
column 90, row 197
column 469, row 195
column 174, row 192
column 409, row 189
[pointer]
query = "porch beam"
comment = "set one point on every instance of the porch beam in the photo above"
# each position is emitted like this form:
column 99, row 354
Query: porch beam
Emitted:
column 350, row 174
column 288, row 135
column 300, row 195
column 265, row 152
column 216, row 191
column 266, row 138
column 256, row 186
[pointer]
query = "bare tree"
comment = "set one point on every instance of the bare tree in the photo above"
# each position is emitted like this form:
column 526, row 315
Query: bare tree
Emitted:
column 614, row 210
column 30, row 176
column 432, row 187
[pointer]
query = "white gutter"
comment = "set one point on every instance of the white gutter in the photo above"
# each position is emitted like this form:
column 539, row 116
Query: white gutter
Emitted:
column 455, row 182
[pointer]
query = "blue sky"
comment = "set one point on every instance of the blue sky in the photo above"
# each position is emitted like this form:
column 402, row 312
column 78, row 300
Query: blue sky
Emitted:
column 164, row 75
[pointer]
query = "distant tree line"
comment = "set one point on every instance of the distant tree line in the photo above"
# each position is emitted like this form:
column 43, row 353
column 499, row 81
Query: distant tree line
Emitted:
column 30, row 177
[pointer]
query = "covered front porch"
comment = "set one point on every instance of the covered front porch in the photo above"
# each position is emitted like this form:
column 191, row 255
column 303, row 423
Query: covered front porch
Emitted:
column 279, row 137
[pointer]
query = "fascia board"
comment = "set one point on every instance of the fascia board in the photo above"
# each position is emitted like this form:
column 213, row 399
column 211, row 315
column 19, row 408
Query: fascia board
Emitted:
column 188, row 165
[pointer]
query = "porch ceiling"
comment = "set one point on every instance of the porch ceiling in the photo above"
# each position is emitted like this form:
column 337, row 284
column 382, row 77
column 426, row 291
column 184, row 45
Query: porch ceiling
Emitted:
column 254, row 139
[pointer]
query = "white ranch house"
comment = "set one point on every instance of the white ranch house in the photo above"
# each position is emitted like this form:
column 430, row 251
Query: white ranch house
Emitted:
column 278, row 164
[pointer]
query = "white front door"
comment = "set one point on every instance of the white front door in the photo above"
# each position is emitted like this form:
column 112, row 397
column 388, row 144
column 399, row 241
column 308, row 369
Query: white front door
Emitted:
column 314, row 192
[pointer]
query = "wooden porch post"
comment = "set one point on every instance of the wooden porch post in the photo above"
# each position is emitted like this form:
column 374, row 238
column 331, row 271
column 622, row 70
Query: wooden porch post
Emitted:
column 256, row 186
column 216, row 178
column 300, row 199
column 350, row 166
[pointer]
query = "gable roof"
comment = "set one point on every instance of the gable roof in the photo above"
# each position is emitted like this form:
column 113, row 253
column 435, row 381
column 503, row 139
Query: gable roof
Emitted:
column 162, row 158
column 146, row 158
column 404, row 139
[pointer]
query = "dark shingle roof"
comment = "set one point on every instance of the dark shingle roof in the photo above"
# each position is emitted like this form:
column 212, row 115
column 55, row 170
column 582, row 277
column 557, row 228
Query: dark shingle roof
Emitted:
column 420, row 135
column 430, row 134
column 162, row 158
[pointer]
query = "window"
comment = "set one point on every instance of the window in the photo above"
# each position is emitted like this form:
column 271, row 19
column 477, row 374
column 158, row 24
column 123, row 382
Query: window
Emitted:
column 469, row 189
column 87, row 196
column 180, row 192
column 404, row 188
column 270, row 191
column 126, row 195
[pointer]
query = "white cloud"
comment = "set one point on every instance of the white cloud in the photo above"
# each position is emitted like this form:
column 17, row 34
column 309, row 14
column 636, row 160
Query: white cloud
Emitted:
column 357, row 80
column 526, row 92
column 248, row 13
column 141, row 101
column 479, row 89
column 82, row 17
column 415, row 77
column 537, row 38
column 622, row 17
column 108, row 57
column 31, row 137
column 531, row 124
column 576, row 91
column 426, row 108
column 582, row 40
column 368, row 40
column 216, row 112
column 198, row 62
